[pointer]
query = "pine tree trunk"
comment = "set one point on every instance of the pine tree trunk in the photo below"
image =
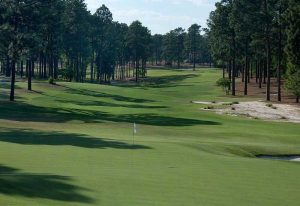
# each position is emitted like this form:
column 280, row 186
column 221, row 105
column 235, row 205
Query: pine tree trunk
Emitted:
column 233, row 67
column 256, row 72
column 32, row 69
column 8, row 67
column 265, row 71
column 251, row 70
column 194, row 61
column 40, row 66
column 45, row 67
column 13, row 79
column 260, row 69
column 233, row 76
column 268, row 62
column 26, row 70
column 29, row 74
column 246, row 77
column 21, row 69
column 55, row 68
column 136, row 70
column 92, row 67
column 268, row 73
column 279, row 57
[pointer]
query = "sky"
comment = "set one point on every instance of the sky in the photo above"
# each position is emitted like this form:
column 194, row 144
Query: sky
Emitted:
column 160, row 16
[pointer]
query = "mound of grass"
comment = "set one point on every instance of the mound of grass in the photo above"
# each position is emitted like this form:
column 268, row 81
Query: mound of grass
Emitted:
column 51, row 81
column 209, row 107
column 269, row 105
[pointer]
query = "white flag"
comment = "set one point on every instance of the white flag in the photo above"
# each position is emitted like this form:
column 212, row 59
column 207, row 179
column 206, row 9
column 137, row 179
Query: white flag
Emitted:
column 134, row 128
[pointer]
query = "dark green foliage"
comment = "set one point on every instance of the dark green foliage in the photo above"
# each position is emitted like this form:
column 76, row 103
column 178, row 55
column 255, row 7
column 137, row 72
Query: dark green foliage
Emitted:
column 62, row 38
column 246, row 38
column 224, row 83
column 174, row 46
column 157, row 48
column 51, row 81
column 193, row 43
column 292, row 47
column 138, row 40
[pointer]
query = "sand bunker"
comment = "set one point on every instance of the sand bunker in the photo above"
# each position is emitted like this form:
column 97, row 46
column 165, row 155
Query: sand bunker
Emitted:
column 260, row 110
column 293, row 158
column 210, row 103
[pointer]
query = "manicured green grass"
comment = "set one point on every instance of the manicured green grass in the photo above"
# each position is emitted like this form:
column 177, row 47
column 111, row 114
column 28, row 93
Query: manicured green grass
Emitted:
column 72, row 144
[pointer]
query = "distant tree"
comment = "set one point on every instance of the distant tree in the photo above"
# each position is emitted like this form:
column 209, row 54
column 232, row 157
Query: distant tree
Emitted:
column 224, row 83
column 241, row 36
column 61, row 38
column 193, row 42
column 75, row 39
column 121, row 30
column 223, row 40
column 104, row 43
column 138, row 41
column 157, row 47
column 169, row 48
column 292, row 47
column 179, row 37
column 19, row 23
column 174, row 46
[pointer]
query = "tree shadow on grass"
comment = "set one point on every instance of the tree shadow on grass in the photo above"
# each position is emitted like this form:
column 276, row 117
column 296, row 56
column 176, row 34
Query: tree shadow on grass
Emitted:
column 4, row 96
column 33, row 137
column 16, row 183
column 25, row 112
column 7, row 86
column 91, row 93
column 160, row 82
column 109, row 104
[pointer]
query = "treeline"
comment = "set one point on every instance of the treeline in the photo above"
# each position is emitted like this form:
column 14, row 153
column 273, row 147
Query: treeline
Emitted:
column 258, row 39
column 50, row 39
column 180, row 46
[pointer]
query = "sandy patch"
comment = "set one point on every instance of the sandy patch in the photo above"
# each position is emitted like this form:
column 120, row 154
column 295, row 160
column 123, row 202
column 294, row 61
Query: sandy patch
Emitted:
column 261, row 110
column 293, row 158
column 211, row 103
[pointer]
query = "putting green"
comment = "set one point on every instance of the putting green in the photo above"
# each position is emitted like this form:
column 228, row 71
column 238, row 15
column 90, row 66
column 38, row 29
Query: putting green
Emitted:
column 72, row 144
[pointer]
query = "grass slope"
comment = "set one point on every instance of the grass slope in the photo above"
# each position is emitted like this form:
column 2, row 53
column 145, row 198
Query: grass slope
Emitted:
column 71, row 144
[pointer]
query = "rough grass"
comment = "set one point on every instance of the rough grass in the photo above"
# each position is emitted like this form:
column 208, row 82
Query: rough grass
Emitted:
column 72, row 144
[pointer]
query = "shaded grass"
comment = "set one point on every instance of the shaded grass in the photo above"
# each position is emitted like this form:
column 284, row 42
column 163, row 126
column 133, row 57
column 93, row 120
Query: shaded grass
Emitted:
column 16, row 183
column 46, row 114
column 30, row 137
column 161, row 81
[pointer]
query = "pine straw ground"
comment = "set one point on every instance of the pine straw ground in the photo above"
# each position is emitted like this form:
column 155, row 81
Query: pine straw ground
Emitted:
column 255, row 92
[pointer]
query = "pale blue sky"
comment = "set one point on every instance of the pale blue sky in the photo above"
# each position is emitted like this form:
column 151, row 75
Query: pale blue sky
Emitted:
column 160, row 16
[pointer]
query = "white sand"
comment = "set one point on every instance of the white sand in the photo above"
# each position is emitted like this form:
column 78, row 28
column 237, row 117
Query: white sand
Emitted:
column 260, row 110
column 210, row 103
column 292, row 158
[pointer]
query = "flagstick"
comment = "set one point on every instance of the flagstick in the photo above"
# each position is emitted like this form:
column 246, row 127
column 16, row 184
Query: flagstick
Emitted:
column 134, row 128
column 133, row 139
column 132, row 154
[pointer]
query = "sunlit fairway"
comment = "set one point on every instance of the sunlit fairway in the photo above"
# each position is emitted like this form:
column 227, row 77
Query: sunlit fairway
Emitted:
column 72, row 144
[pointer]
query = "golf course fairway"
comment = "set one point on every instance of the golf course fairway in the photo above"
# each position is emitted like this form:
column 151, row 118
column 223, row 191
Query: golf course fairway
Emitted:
column 73, row 144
